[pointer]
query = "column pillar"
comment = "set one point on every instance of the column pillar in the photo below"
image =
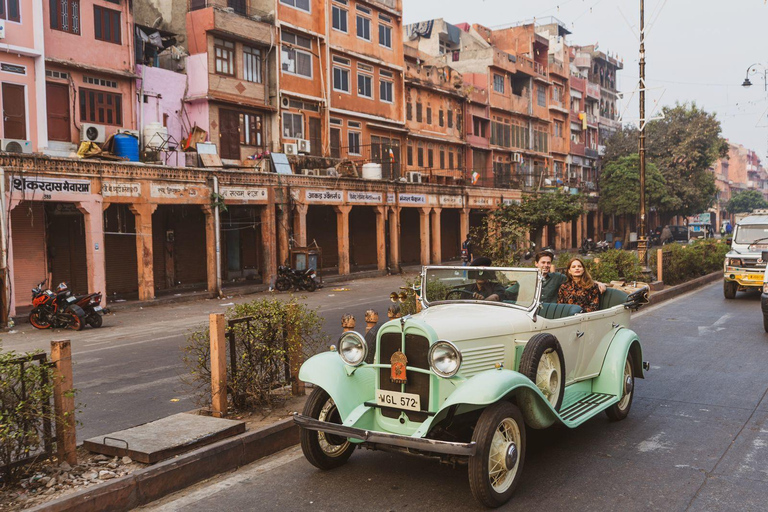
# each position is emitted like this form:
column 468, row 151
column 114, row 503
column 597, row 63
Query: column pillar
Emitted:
column 94, row 246
column 268, row 246
column 424, row 234
column 342, row 234
column 210, row 251
column 283, row 249
column 437, row 247
column 464, row 223
column 394, row 238
column 300, row 224
column 144, row 249
column 544, row 237
column 381, row 238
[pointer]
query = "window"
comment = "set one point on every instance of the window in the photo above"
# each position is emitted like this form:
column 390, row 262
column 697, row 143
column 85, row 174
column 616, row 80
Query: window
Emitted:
column 251, row 65
column 297, row 4
column 293, row 126
column 541, row 96
column 498, row 83
column 12, row 13
column 363, row 27
column 409, row 111
column 340, row 79
column 450, row 159
column 339, row 16
column 441, row 118
column 364, row 85
column 336, row 122
column 450, row 118
column 385, row 91
column 442, row 157
column 418, row 112
column 354, row 124
column 354, row 143
column 294, row 60
column 65, row 15
column 409, row 154
column 101, row 107
column 557, row 130
column 429, row 115
column 97, row 81
column 250, row 130
column 385, row 35
column 106, row 25
column 430, row 156
column 420, row 155
column 224, row 52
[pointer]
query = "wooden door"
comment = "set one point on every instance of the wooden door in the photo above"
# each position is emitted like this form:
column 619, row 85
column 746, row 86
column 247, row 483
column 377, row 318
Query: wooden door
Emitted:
column 335, row 143
column 229, row 134
column 14, row 112
column 315, row 137
column 57, row 97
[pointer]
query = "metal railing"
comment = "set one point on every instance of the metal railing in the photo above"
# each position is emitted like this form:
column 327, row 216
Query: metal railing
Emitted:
column 240, row 7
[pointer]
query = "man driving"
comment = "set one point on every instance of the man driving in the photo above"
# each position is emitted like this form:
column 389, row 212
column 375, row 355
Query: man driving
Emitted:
column 485, row 286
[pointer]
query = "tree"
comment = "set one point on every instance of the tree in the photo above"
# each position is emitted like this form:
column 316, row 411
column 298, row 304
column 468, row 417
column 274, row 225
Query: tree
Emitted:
column 746, row 201
column 684, row 144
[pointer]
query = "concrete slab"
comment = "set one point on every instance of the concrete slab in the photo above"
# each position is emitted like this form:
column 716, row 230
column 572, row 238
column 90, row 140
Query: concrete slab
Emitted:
column 726, row 494
column 162, row 439
column 747, row 457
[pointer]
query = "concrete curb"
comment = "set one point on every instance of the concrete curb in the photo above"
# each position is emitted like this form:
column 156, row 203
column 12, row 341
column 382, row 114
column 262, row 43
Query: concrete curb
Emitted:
column 163, row 478
column 172, row 475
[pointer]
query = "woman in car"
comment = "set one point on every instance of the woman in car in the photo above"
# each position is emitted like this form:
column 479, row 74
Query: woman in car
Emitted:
column 580, row 289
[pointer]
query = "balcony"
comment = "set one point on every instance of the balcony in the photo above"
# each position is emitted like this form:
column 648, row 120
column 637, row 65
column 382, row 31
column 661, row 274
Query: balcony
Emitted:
column 559, row 145
column 219, row 16
column 590, row 152
column 556, row 67
column 577, row 148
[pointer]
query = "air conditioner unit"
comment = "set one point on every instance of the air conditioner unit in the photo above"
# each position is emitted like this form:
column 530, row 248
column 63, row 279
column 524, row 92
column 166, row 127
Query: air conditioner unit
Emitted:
column 290, row 148
column 303, row 146
column 2, row 29
column 517, row 157
column 414, row 177
column 285, row 102
column 310, row 172
column 92, row 133
column 16, row 146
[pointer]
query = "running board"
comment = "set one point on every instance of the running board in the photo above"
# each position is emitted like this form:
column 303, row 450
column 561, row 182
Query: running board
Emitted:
column 586, row 407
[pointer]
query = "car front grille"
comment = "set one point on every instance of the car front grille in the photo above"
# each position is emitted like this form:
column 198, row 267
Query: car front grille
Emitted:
column 415, row 349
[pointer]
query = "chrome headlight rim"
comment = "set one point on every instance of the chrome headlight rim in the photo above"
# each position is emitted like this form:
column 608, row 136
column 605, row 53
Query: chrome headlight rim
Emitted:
column 735, row 262
column 431, row 353
column 357, row 340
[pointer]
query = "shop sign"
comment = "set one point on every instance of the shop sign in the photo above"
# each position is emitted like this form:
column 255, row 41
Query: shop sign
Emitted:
column 390, row 198
column 364, row 197
column 120, row 189
column 244, row 193
column 457, row 201
column 412, row 199
column 172, row 191
column 324, row 196
column 507, row 202
column 483, row 201
column 52, row 185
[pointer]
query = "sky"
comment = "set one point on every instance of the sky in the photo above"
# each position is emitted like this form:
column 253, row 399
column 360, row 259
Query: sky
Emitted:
column 696, row 50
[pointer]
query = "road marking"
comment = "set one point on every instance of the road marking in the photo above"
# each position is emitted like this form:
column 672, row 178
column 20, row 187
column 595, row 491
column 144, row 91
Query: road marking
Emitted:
column 145, row 385
column 121, row 345
column 281, row 459
column 654, row 444
column 715, row 327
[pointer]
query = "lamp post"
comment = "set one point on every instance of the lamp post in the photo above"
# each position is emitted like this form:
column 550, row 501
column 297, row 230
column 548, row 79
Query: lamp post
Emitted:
column 753, row 70
column 642, row 243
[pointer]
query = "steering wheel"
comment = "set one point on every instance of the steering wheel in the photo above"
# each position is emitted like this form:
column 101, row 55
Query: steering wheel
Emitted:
column 459, row 292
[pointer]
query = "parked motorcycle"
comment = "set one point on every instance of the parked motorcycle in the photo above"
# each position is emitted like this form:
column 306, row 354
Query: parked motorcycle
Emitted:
column 288, row 278
column 590, row 246
column 91, row 305
column 53, row 309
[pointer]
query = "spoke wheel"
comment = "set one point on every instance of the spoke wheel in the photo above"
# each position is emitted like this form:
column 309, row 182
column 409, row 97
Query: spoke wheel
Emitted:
column 324, row 451
column 620, row 410
column 495, row 469
column 543, row 362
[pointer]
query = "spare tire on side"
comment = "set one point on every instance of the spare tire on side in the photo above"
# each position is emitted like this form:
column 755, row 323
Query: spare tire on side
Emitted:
column 543, row 362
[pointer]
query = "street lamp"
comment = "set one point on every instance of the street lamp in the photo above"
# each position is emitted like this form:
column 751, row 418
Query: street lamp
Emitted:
column 753, row 70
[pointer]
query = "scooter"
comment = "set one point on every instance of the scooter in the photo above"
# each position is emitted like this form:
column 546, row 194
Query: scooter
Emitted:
column 55, row 310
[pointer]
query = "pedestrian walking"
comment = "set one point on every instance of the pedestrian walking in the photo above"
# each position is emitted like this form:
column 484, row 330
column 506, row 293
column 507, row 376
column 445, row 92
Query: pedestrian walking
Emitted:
column 466, row 251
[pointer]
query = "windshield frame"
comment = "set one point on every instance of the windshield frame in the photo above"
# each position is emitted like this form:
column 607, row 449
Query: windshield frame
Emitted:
column 536, row 296
column 746, row 227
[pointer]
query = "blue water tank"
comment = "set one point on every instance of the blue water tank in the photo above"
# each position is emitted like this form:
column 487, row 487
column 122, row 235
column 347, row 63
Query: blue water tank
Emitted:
column 127, row 146
column 617, row 245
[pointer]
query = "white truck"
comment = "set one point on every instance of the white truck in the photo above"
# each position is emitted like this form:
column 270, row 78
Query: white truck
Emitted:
column 744, row 267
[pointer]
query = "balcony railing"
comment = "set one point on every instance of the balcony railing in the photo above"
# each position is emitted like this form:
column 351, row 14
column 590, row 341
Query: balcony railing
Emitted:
column 240, row 7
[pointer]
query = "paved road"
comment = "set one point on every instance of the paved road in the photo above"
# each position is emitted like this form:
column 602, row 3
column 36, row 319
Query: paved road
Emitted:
column 696, row 439
column 127, row 372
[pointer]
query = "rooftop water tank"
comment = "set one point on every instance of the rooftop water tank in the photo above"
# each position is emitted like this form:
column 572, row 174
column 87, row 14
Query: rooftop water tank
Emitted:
column 372, row 171
column 127, row 146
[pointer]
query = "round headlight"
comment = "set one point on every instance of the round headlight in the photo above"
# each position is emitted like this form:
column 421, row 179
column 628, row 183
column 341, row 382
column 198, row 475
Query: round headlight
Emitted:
column 444, row 358
column 352, row 348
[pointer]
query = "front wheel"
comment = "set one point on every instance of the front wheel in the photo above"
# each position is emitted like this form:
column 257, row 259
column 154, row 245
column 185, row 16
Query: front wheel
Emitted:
column 94, row 320
column 729, row 289
column 765, row 322
column 310, row 284
column 38, row 320
column 495, row 469
column 620, row 410
column 324, row 451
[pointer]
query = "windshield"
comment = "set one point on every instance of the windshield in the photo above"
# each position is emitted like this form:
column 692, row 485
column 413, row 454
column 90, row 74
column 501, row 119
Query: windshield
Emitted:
column 748, row 234
column 515, row 287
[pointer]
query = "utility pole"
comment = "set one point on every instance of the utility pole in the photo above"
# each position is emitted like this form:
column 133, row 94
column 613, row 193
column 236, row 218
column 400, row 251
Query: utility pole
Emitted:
column 642, row 244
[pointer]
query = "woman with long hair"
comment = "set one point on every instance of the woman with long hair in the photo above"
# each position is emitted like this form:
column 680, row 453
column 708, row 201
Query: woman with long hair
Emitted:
column 580, row 289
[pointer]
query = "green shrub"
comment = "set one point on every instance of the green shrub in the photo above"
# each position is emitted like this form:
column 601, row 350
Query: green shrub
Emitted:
column 25, row 406
column 263, row 348
column 686, row 262
column 614, row 265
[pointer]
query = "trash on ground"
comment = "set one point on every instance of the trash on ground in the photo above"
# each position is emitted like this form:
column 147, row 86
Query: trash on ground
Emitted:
column 341, row 289
column 227, row 304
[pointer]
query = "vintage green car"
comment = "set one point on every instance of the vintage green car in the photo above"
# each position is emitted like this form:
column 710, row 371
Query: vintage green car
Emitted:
column 461, row 379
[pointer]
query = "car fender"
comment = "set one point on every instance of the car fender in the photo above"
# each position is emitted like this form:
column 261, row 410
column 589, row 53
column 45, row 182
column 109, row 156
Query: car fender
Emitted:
column 348, row 388
column 490, row 386
column 611, row 375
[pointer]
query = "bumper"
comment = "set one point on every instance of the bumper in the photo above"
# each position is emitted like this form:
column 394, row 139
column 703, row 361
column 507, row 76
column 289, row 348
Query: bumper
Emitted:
column 416, row 443
column 749, row 278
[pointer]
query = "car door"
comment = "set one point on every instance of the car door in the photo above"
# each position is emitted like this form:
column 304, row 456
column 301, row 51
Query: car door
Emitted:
column 593, row 344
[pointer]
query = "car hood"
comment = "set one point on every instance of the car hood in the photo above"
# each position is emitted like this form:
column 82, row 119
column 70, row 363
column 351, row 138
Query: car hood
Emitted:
column 458, row 322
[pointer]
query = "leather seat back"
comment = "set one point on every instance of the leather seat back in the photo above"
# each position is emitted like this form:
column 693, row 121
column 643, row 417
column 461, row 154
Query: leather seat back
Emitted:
column 553, row 311
column 612, row 297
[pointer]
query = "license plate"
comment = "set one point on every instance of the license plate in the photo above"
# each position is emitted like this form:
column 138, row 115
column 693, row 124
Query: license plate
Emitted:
column 408, row 401
column 97, row 308
column 71, row 299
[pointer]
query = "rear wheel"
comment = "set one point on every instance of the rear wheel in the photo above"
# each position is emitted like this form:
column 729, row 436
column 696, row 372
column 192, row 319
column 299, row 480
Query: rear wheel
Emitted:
column 495, row 469
column 765, row 322
column 620, row 410
column 324, row 451
column 310, row 284
column 38, row 320
column 729, row 289
column 94, row 320
column 283, row 284
column 75, row 321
